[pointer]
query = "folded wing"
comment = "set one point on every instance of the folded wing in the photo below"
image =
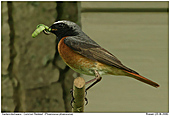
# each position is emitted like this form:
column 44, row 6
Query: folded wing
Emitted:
column 92, row 50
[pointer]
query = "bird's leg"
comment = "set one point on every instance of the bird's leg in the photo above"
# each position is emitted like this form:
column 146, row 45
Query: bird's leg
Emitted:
column 92, row 80
column 96, row 79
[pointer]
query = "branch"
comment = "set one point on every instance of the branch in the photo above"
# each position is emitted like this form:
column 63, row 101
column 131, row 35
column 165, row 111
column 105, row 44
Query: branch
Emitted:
column 79, row 94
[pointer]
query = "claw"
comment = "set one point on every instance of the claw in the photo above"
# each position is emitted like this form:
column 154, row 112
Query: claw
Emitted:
column 72, row 99
column 85, row 93
column 86, row 101
column 86, row 98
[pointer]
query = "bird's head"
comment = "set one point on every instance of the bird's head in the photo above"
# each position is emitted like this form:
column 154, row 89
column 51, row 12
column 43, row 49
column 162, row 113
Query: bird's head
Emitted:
column 64, row 28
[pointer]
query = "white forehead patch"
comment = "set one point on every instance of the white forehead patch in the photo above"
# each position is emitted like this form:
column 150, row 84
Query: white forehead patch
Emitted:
column 58, row 22
column 66, row 22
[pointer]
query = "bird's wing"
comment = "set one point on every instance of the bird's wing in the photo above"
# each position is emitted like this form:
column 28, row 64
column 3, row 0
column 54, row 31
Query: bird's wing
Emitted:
column 93, row 51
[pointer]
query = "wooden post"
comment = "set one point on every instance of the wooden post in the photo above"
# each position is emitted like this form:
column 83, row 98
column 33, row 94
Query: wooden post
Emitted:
column 79, row 94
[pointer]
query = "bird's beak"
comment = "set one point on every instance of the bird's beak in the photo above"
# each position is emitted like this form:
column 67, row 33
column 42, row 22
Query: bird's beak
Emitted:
column 47, row 31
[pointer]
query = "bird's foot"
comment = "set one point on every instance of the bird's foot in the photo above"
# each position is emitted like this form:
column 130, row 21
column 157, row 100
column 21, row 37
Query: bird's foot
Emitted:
column 72, row 99
column 86, row 98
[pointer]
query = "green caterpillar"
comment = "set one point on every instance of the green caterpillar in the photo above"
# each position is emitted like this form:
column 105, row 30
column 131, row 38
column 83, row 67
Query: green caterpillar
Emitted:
column 40, row 28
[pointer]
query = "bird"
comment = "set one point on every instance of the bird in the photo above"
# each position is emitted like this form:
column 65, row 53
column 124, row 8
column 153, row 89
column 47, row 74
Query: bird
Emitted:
column 85, row 56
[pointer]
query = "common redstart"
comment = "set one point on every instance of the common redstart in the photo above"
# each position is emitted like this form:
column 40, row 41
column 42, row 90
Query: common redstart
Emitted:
column 85, row 56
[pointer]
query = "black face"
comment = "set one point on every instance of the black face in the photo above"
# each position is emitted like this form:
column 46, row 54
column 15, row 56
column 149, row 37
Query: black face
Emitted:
column 65, row 28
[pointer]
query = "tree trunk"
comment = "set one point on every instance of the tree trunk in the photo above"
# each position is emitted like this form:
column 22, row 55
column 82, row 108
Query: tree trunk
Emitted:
column 34, row 77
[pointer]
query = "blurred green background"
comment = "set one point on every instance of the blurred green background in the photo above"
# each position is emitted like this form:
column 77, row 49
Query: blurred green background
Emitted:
column 34, row 78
